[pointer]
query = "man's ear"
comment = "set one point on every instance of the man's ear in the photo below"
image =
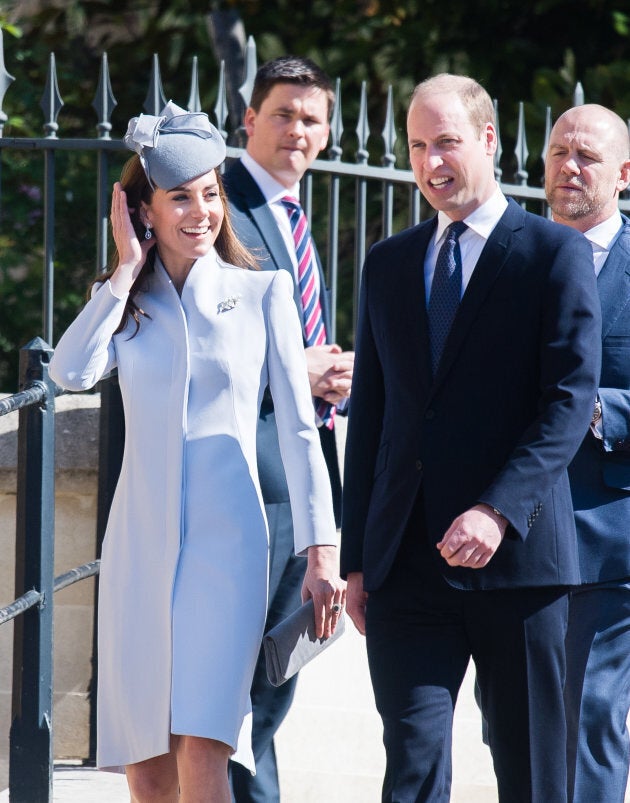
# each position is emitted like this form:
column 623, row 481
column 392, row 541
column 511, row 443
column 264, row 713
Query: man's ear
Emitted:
column 624, row 176
column 325, row 138
column 491, row 139
column 248, row 121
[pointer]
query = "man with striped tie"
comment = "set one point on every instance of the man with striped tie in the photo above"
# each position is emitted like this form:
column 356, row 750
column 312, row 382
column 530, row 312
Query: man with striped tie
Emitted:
column 287, row 127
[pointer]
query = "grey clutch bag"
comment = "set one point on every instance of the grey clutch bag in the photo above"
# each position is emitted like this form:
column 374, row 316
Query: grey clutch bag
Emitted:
column 292, row 643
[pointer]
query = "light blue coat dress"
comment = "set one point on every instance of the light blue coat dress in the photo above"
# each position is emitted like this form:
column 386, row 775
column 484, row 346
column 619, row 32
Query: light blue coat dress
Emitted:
column 183, row 579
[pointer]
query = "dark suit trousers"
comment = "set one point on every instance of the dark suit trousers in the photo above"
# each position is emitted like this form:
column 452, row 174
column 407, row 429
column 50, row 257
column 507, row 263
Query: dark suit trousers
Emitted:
column 598, row 693
column 271, row 704
column 421, row 633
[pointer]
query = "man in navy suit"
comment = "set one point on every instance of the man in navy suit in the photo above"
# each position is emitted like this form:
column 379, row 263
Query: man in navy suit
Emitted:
column 287, row 127
column 458, row 536
column 587, row 166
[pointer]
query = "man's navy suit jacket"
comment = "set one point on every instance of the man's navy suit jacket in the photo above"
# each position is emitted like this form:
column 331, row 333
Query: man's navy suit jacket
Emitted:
column 257, row 229
column 500, row 421
column 600, row 472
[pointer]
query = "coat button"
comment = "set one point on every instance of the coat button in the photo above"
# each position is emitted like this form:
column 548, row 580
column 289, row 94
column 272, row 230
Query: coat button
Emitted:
column 429, row 414
column 419, row 465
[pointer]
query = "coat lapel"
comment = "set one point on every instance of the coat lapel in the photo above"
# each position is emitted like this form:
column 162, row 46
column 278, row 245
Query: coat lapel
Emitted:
column 264, row 221
column 613, row 281
column 412, row 303
column 262, row 218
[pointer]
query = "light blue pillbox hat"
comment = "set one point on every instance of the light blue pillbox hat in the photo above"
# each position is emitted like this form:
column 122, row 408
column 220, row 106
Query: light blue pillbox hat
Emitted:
column 175, row 147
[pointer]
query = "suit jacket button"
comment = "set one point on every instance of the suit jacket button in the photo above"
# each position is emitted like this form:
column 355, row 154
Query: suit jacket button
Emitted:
column 429, row 414
column 419, row 465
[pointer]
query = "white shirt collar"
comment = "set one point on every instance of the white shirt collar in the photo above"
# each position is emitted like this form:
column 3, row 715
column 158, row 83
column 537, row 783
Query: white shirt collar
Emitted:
column 272, row 190
column 482, row 220
column 604, row 233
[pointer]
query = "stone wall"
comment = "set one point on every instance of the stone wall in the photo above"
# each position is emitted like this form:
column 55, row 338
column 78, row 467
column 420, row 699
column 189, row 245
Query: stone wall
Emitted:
column 76, row 434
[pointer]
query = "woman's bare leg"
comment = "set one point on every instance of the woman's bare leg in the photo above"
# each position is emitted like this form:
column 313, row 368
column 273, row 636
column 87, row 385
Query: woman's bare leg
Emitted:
column 203, row 770
column 155, row 780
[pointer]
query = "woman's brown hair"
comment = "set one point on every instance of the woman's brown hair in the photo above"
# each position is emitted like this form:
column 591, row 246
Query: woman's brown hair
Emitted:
column 137, row 189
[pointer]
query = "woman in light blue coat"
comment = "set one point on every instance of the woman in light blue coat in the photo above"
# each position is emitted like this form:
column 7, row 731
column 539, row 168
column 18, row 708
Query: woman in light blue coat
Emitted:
column 183, row 583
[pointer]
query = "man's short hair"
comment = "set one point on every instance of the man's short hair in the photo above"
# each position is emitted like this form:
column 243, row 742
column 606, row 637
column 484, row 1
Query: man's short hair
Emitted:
column 476, row 100
column 290, row 70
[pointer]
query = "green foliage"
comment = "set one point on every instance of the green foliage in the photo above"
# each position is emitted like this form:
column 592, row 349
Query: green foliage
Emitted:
column 77, row 33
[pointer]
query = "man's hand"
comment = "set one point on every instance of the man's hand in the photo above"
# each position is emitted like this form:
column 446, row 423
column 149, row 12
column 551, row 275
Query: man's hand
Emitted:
column 473, row 538
column 357, row 600
column 323, row 584
column 329, row 372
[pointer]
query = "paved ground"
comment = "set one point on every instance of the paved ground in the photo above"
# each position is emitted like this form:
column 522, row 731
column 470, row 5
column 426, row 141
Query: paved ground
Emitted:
column 329, row 748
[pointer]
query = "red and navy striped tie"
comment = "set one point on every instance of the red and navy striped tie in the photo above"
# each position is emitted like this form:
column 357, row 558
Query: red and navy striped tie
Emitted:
column 312, row 318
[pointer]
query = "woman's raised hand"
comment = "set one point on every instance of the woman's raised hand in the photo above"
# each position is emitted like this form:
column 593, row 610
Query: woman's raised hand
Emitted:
column 132, row 252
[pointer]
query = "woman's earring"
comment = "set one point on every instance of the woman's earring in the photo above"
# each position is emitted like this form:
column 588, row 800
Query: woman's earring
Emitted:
column 148, row 233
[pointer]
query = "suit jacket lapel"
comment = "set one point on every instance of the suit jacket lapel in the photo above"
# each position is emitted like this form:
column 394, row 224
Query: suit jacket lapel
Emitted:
column 263, row 219
column 488, row 267
column 414, row 296
column 613, row 281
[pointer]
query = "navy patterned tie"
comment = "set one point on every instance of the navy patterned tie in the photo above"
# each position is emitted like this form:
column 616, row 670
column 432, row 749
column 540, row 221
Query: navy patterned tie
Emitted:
column 446, row 290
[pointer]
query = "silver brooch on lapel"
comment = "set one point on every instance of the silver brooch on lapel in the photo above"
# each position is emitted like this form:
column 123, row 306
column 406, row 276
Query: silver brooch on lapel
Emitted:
column 228, row 304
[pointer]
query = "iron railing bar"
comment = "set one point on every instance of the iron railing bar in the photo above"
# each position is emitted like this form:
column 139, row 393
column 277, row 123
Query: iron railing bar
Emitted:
column 68, row 144
column 333, row 252
column 28, row 600
column 32, row 598
column 388, row 209
column 32, row 394
column 361, row 170
column 78, row 573
column 48, row 288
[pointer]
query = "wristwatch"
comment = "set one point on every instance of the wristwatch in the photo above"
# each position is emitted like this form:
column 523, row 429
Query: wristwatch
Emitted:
column 597, row 412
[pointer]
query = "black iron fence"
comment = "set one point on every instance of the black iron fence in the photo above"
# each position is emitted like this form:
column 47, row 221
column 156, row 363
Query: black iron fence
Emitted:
column 31, row 734
column 351, row 203
column 31, row 755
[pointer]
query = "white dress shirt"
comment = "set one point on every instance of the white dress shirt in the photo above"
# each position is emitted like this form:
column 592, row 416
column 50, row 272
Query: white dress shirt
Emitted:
column 601, row 238
column 273, row 193
column 480, row 224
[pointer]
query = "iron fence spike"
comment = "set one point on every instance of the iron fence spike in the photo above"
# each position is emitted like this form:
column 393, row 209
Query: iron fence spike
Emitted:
column 363, row 128
column 545, row 147
column 104, row 101
column 155, row 99
column 194, row 101
column 389, row 131
column 5, row 82
column 246, row 88
column 221, row 106
column 520, row 150
column 51, row 100
column 336, row 125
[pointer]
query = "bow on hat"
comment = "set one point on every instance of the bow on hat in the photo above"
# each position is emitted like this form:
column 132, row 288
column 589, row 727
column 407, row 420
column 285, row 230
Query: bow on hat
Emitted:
column 144, row 133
